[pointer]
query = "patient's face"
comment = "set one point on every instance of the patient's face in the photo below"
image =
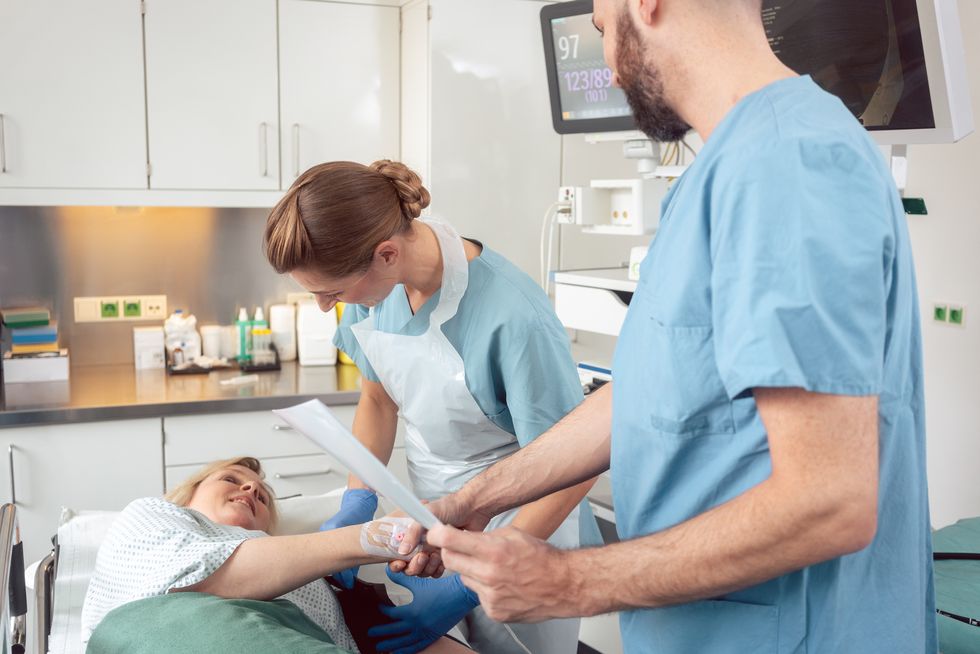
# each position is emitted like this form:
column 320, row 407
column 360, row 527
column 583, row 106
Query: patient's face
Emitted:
column 234, row 496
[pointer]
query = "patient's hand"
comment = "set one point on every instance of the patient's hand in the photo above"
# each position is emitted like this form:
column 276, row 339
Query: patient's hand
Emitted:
column 451, row 510
column 384, row 538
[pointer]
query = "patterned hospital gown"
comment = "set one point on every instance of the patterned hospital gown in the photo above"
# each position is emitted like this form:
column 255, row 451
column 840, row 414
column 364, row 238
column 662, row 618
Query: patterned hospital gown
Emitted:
column 155, row 546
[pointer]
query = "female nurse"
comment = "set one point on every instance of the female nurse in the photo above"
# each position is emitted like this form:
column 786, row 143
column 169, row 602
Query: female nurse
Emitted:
column 455, row 340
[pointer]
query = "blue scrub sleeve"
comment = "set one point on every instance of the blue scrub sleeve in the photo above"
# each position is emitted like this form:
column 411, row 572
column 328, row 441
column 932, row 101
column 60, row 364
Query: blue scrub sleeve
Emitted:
column 538, row 375
column 345, row 341
column 802, row 248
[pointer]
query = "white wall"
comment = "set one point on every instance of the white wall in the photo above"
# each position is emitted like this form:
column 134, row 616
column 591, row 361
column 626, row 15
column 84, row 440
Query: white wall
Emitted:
column 947, row 255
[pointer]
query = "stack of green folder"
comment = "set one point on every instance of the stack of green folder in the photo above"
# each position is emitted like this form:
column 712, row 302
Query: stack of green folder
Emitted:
column 25, row 317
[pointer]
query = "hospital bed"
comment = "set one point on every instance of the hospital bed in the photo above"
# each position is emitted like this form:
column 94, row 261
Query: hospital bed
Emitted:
column 60, row 580
column 13, row 595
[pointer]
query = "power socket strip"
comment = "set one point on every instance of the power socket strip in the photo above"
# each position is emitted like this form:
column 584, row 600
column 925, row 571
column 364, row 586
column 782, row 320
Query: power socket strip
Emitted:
column 121, row 308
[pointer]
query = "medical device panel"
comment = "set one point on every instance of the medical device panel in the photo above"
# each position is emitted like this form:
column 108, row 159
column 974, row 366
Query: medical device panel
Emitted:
column 583, row 98
column 897, row 65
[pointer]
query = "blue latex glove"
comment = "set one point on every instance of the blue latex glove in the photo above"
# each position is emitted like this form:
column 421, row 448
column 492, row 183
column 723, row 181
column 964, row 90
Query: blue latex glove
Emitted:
column 437, row 605
column 356, row 507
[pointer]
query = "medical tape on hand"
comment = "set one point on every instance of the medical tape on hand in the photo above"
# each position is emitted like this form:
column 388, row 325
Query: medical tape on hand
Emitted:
column 382, row 538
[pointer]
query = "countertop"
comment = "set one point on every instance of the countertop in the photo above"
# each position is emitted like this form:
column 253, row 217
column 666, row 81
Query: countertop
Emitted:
column 114, row 392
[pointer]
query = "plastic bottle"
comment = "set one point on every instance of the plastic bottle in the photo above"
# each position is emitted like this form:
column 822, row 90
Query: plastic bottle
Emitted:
column 259, row 320
column 181, row 336
column 244, row 327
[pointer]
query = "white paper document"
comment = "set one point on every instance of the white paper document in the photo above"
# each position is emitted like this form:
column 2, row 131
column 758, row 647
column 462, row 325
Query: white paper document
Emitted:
column 315, row 421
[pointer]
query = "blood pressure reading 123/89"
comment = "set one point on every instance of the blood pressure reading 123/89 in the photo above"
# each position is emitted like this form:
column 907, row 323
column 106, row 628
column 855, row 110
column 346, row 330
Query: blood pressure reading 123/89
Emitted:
column 585, row 83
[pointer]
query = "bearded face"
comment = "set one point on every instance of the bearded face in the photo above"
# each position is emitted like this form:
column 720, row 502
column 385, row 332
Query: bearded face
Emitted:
column 642, row 82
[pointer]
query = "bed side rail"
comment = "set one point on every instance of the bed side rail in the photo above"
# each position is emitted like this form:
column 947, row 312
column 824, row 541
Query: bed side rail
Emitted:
column 13, row 602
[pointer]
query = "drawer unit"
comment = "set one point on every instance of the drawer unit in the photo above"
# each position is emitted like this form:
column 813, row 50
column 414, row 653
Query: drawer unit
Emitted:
column 597, row 310
column 201, row 439
column 292, row 475
column 594, row 300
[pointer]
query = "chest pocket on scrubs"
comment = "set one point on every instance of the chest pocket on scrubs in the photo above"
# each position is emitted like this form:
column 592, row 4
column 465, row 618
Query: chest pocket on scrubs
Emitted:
column 690, row 399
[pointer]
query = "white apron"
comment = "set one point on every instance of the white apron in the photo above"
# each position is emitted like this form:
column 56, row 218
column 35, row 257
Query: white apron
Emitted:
column 449, row 439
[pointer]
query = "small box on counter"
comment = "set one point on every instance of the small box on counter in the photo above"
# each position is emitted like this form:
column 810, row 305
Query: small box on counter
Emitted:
column 43, row 367
column 148, row 348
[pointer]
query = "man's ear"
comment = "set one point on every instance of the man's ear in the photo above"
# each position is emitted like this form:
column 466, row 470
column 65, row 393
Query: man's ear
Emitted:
column 647, row 11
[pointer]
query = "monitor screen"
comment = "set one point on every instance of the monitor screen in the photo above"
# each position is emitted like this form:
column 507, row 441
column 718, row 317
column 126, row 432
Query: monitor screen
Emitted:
column 868, row 53
column 583, row 98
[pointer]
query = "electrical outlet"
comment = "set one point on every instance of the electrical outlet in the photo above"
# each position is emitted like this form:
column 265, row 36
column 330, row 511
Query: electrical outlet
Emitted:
column 109, row 309
column 940, row 312
column 154, row 307
column 132, row 308
column 117, row 309
column 957, row 315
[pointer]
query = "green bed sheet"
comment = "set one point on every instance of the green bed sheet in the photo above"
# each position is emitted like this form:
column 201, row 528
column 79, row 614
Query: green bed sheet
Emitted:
column 958, row 587
column 181, row 623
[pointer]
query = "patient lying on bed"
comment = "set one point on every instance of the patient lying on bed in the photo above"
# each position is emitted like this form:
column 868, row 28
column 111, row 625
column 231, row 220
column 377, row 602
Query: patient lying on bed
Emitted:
column 210, row 535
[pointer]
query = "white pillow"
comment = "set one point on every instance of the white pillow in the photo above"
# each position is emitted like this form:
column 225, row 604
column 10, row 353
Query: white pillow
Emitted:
column 304, row 514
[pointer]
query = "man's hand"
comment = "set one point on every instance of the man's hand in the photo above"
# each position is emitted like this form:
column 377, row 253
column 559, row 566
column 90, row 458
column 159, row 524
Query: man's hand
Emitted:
column 517, row 577
column 451, row 510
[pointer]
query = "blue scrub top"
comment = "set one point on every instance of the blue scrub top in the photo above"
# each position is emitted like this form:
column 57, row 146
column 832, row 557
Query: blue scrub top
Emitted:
column 782, row 260
column 515, row 352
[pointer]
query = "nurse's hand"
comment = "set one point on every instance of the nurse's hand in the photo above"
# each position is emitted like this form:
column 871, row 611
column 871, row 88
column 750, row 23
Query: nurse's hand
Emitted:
column 518, row 578
column 451, row 510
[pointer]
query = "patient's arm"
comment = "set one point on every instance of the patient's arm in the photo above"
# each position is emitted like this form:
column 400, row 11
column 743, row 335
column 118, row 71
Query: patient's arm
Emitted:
column 265, row 568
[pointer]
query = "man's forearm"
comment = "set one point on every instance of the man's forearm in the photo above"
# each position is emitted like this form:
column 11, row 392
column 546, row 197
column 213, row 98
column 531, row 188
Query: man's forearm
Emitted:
column 770, row 530
column 573, row 451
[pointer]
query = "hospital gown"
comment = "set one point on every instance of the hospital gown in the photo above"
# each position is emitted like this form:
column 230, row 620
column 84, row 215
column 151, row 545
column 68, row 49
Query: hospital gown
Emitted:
column 155, row 546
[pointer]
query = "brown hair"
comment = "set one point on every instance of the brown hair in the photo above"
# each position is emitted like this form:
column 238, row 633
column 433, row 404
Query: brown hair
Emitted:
column 182, row 494
column 335, row 214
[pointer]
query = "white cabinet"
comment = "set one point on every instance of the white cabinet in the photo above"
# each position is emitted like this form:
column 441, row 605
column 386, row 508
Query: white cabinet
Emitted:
column 292, row 463
column 72, row 109
column 97, row 465
column 212, row 96
column 339, row 83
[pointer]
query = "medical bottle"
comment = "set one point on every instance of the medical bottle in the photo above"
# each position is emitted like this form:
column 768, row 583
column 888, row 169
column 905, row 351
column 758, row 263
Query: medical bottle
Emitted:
column 259, row 321
column 244, row 327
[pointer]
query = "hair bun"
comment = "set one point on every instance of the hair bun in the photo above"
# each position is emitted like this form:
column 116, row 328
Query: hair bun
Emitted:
column 413, row 196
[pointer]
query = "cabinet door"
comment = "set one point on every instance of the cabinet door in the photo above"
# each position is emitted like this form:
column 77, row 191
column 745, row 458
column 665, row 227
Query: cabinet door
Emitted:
column 98, row 465
column 211, row 88
column 71, row 95
column 339, row 83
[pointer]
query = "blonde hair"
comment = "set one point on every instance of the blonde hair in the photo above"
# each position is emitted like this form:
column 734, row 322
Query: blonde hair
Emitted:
column 335, row 214
column 182, row 494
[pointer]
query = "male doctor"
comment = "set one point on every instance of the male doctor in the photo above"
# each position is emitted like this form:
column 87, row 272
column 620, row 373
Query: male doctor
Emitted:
column 764, row 428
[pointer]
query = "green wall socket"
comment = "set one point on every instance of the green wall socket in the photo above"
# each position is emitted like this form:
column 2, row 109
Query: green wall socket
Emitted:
column 939, row 312
column 131, row 309
column 956, row 315
column 110, row 309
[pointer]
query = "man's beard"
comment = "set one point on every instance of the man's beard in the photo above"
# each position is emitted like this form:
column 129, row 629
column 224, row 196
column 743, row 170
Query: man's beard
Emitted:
column 644, row 87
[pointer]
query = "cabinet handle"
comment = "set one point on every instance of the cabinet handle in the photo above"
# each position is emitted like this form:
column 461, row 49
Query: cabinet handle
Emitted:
column 282, row 427
column 3, row 148
column 310, row 473
column 264, row 149
column 295, row 150
column 13, row 486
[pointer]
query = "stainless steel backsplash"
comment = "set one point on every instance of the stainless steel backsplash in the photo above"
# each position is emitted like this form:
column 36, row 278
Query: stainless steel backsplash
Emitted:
column 207, row 261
